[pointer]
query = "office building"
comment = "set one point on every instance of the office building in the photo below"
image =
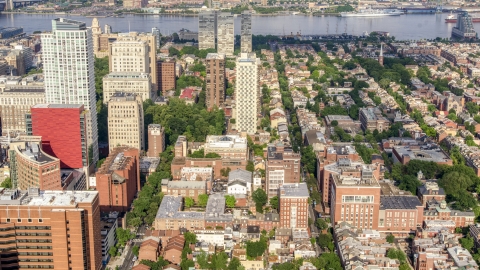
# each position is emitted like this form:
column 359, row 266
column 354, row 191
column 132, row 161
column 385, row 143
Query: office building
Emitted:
column 9, row 32
column 225, row 33
column 135, row 4
column 128, row 82
column 155, row 140
column 50, row 229
column 403, row 154
column 166, row 75
column 108, row 225
column 293, row 206
column 464, row 28
column 215, row 81
column 282, row 167
column 246, row 32
column 125, row 121
column 15, row 103
column 372, row 118
column 247, row 93
column 27, row 53
column 207, row 29
column 15, row 59
column 30, row 166
column 68, row 67
column 227, row 146
column 118, row 179
column 63, row 131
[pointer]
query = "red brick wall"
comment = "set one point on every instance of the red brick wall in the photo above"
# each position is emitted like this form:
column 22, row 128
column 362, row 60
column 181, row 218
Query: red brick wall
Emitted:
column 60, row 131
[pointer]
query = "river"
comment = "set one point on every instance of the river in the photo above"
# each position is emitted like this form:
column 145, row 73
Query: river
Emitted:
column 404, row 27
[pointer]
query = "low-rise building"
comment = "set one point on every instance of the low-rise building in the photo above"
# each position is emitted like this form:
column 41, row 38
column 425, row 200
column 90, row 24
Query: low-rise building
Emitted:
column 239, row 182
column 171, row 217
column 403, row 155
column 372, row 119
column 191, row 189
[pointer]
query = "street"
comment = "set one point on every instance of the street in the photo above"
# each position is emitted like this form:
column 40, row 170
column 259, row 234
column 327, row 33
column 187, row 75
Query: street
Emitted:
column 128, row 262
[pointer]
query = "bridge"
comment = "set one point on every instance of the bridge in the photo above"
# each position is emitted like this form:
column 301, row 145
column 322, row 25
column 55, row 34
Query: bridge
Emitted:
column 12, row 4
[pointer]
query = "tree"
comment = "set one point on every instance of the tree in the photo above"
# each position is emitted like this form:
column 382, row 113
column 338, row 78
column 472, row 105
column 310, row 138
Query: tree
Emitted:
column 334, row 123
column 250, row 166
column 212, row 155
column 219, row 261
column 113, row 251
column 260, row 198
column 225, row 171
column 274, row 202
column 202, row 200
column 257, row 248
column 325, row 241
column 7, row 183
column 123, row 235
column 135, row 250
column 467, row 242
column 471, row 107
column 453, row 182
column 390, row 238
column 189, row 202
column 230, row 201
column 234, row 264
column 321, row 224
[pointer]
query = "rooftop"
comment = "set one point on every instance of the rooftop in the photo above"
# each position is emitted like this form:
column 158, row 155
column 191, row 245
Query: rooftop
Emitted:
column 35, row 197
column 33, row 151
column 294, row 190
column 341, row 149
column 171, row 208
column 399, row 202
column 219, row 56
column 187, row 184
column 226, row 141
column 435, row 155
column 121, row 96
column 58, row 106
column 127, row 75
column 240, row 174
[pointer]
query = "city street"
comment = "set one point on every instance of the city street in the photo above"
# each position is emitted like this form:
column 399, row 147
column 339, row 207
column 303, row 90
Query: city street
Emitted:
column 128, row 262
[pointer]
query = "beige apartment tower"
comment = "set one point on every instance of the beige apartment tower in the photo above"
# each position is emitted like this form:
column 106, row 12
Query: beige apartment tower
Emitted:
column 225, row 33
column 156, row 140
column 127, row 82
column 125, row 121
column 50, row 229
column 215, row 81
column 15, row 102
column 134, row 53
column 247, row 93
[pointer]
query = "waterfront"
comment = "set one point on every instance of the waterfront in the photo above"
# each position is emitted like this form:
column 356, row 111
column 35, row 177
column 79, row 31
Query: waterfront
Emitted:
column 404, row 27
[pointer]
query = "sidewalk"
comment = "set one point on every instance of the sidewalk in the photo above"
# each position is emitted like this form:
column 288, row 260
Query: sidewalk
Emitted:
column 118, row 261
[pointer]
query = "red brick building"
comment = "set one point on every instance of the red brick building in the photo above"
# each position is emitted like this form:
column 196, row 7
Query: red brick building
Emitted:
column 50, row 230
column 166, row 76
column 173, row 250
column 293, row 206
column 63, row 131
column 149, row 250
column 118, row 179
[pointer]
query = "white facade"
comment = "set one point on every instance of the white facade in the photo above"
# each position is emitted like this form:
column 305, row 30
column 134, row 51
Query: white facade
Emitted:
column 237, row 188
column 247, row 93
column 68, row 68
column 129, row 54
column 127, row 82
column 216, row 238
column 207, row 29
column 246, row 32
column 109, row 238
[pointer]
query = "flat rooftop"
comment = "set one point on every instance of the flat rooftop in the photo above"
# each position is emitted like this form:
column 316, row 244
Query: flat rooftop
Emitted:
column 219, row 56
column 187, row 184
column 127, row 75
column 341, row 149
column 399, row 202
column 35, row 197
column 171, row 208
column 294, row 190
column 435, row 155
column 59, row 106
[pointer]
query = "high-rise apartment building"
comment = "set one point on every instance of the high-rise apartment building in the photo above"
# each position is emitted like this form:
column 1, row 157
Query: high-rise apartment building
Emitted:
column 118, row 179
column 31, row 167
column 129, row 54
column 247, row 93
column 293, row 206
column 128, row 82
column 225, row 33
column 133, row 52
column 50, row 229
column 207, row 29
column 156, row 34
column 68, row 66
column 464, row 27
column 65, row 141
column 156, row 140
column 246, row 32
column 125, row 121
column 15, row 103
column 215, row 81
column 166, row 75
column 282, row 167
